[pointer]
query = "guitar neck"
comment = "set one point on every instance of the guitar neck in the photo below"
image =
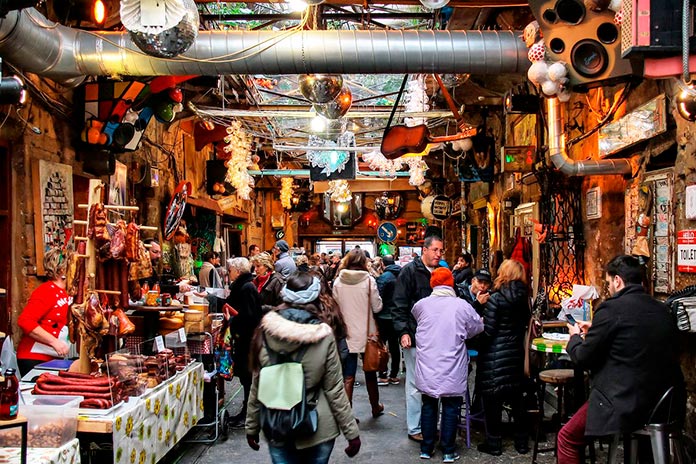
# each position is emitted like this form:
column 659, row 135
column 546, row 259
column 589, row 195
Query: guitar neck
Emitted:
column 450, row 102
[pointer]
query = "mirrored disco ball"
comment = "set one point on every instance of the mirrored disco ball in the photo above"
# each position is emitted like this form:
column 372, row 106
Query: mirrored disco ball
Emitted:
column 170, row 42
column 320, row 88
column 337, row 107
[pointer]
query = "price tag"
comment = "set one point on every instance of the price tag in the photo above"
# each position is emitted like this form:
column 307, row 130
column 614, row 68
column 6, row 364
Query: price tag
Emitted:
column 159, row 343
column 182, row 335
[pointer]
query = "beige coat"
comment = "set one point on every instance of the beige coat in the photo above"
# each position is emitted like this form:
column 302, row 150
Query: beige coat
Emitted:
column 322, row 367
column 354, row 291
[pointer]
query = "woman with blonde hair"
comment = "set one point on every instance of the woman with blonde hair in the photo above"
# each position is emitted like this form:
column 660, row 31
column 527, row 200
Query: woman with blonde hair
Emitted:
column 267, row 281
column 355, row 291
column 500, row 366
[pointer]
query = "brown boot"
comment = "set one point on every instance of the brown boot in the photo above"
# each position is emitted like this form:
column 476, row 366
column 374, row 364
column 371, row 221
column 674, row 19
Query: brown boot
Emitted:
column 373, row 395
column 348, row 383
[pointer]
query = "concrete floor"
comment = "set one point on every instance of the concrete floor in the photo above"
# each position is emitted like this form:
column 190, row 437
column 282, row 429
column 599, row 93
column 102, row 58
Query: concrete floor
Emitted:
column 384, row 440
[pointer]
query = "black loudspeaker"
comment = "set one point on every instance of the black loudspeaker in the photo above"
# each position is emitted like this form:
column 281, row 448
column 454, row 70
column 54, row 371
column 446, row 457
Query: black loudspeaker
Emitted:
column 588, row 41
column 100, row 163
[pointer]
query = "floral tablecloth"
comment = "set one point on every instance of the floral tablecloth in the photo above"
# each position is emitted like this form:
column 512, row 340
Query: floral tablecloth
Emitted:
column 144, row 433
column 69, row 453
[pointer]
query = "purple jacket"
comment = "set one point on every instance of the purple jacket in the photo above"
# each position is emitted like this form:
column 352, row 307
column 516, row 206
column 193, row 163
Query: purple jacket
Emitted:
column 444, row 323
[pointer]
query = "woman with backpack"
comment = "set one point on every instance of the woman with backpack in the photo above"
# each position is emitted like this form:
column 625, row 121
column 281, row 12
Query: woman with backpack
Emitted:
column 356, row 293
column 295, row 330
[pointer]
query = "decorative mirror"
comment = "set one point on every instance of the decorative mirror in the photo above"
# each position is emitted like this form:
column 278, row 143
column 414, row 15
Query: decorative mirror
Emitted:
column 389, row 206
column 646, row 121
column 342, row 215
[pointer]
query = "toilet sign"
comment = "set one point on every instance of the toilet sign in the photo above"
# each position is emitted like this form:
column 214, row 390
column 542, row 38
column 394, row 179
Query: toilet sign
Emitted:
column 686, row 251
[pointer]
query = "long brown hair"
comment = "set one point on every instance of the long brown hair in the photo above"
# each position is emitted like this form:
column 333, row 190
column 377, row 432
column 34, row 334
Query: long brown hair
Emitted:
column 355, row 260
column 508, row 271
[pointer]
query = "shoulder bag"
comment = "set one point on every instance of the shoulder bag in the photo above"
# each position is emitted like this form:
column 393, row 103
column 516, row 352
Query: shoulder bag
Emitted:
column 376, row 354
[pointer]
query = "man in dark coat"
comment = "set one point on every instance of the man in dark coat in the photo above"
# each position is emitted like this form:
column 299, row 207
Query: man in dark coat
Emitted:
column 462, row 271
column 476, row 290
column 386, row 283
column 631, row 351
column 412, row 285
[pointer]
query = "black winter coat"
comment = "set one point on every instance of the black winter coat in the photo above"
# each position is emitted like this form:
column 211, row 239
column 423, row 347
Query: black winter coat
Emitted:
column 270, row 292
column 386, row 284
column 500, row 366
column 412, row 285
column 465, row 294
column 632, row 353
column 246, row 300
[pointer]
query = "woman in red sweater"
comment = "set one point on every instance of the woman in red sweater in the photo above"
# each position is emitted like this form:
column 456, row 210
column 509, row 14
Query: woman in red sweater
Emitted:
column 44, row 316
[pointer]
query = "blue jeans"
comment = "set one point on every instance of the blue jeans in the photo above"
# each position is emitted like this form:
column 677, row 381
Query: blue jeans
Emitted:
column 288, row 454
column 448, row 426
column 413, row 396
column 350, row 365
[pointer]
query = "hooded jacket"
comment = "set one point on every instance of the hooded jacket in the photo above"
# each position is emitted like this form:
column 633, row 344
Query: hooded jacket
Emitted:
column 286, row 331
column 500, row 366
column 412, row 285
column 356, row 293
column 386, row 283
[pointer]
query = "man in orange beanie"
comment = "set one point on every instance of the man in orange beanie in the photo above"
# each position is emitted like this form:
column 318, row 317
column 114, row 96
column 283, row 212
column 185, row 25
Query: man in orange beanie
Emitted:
column 444, row 322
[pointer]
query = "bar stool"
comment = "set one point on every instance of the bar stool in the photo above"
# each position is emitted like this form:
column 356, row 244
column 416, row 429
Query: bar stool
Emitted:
column 665, row 435
column 468, row 416
column 559, row 378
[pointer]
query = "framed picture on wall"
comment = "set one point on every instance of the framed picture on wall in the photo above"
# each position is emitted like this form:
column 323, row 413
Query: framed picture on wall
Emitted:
column 593, row 203
column 52, row 190
column 117, row 190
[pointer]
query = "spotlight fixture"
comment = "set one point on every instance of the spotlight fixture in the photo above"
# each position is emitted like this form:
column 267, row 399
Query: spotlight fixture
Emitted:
column 89, row 11
column 686, row 102
column 12, row 91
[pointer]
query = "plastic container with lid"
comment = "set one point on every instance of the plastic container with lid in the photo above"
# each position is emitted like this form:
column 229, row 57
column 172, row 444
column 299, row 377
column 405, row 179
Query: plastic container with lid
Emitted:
column 52, row 421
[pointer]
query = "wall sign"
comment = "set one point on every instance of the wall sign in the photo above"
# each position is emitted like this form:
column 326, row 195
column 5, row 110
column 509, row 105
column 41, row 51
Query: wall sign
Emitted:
column 280, row 234
column 686, row 251
column 387, row 232
column 436, row 207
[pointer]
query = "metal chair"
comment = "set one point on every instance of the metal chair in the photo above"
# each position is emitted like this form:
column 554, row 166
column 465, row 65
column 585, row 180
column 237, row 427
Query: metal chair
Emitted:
column 665, row 435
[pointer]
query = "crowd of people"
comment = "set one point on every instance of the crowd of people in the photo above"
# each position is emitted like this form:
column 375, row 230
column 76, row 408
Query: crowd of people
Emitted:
column 327, row 306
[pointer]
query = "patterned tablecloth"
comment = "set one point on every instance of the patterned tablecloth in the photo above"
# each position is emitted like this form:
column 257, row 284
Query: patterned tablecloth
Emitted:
column 69, row 453
column 145, row 432
column 549, row 346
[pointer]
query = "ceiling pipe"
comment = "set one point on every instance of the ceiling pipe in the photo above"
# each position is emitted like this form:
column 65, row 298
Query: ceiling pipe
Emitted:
column 33, row 43
column 571, row 167
column 361, row 175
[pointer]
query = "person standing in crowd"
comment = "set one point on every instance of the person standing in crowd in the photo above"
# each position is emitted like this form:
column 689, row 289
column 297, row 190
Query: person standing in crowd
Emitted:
column 385, row 322
column 462, row 270
column 315, row 263
column 296, row 325
column 253, row 251
column 208, row 276
column 476, row 291
column 334, row 263
column 412, row 285
column 267, row 281
column 155, row 253
column 284, row 264
column 444, row 322
column 330, row 313
column 376, row 267
column 302, row 263
column 631, row 348
column 45, row 316
column 245, row 299
column 500, row 365
column 357, row 296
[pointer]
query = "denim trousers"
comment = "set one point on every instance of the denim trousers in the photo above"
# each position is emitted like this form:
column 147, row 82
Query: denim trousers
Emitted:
column 448, row 424
column 391, row 338
column 413, row 396
column 288, row 454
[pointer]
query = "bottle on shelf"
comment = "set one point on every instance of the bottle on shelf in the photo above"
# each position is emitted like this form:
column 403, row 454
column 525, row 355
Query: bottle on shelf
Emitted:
column 9, row 396
column 156, row 288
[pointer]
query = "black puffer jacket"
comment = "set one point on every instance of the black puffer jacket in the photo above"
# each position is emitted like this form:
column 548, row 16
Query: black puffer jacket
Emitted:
column 500, row 366
column 412, row 285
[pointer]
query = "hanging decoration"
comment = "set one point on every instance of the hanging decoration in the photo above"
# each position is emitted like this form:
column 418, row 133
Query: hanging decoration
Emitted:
column 239, row 149
column 286, row 189
column 320, row 88
column 550, row 76
column 340, row 191
column 416, row 100
column 416, row 166
column 337, row 107
column 333, row 160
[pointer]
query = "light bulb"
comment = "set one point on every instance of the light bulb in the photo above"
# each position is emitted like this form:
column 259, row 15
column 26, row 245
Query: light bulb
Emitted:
column 686, row 102
column 318, row 124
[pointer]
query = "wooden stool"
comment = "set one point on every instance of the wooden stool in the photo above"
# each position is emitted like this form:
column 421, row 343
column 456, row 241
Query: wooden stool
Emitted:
column 559, row 378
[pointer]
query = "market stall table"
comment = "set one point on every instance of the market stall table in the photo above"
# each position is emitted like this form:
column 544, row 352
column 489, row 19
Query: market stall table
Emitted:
column 21, row 422
column 69, row 453
column 558, row 346
column 144, row 429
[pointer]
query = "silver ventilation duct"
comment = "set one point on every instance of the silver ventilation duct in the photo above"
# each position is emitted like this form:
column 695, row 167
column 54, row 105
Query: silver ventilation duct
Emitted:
column 31, row 42
column 571, row 167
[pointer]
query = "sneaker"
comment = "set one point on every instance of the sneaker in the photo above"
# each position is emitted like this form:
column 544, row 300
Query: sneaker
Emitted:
column 451, row 457
column 382, row 382
column 394, row 380
column 425, row 455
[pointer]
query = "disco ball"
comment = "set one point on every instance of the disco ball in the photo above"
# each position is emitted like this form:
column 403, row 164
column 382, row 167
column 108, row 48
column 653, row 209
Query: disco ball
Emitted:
column 337, row 107
column 174, row 37
column 320, row 88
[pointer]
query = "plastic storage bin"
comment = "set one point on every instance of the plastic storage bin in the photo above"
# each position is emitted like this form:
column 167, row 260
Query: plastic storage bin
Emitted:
column 52, row 421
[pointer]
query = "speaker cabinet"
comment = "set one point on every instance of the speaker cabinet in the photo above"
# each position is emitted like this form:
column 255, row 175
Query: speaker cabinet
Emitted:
column 588, row 41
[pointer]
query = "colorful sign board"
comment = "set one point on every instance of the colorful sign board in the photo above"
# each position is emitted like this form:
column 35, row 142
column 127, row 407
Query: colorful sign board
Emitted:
column 686, row 251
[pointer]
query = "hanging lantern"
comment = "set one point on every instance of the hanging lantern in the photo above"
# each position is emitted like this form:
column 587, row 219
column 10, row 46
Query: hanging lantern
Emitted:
column 320, row 88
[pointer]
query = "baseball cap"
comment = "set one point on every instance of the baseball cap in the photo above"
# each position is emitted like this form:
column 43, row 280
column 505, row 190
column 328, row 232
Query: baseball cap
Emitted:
column 483, row 274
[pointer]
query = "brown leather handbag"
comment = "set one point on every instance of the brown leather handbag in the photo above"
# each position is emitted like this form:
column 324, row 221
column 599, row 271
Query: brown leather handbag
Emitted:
column 376, row 354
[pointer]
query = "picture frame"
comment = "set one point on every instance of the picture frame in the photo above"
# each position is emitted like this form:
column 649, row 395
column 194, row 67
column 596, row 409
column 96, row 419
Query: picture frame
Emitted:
column 593, row 203
column 54, row 212
column 117, row 190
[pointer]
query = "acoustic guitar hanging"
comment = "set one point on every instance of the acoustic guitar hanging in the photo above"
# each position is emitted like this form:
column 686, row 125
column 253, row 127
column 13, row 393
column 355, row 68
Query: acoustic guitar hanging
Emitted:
column 400, row 140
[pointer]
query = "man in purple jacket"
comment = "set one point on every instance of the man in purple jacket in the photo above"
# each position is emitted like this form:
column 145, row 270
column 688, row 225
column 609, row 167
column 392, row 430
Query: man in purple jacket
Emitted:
column 444, row 323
